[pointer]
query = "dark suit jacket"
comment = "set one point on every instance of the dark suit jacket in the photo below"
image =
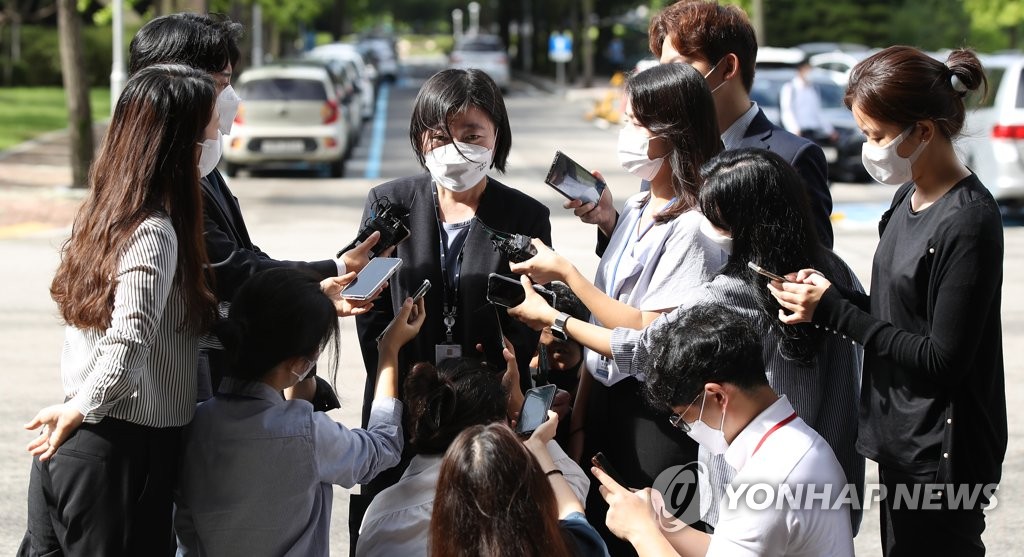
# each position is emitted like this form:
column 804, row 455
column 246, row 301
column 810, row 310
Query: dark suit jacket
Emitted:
column 808, row 160
column 232, row 254
column 501, row 208
column 803, row 155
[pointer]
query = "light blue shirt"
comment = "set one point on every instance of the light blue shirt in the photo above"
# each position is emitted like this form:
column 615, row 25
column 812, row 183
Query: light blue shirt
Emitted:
column 258, row 470
column 734, row 134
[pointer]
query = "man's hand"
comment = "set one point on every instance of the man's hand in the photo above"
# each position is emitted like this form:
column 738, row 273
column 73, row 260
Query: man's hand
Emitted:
column 630, row 513
column 58, row 422
column 345, row 307
column 357, row 258
column 534, row 311
column 602, row 214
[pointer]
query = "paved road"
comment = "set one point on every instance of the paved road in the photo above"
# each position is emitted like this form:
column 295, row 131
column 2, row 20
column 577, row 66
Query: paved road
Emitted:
column 299, row 216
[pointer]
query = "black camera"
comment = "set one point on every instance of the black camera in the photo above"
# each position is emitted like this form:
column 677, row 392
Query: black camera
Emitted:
column 516, row 247
column 386, row 218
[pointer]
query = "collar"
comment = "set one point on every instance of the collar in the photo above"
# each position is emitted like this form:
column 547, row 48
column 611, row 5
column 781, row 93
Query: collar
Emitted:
column 233, row 386
column 423, row 463
column 742, row 447
column 734, row 134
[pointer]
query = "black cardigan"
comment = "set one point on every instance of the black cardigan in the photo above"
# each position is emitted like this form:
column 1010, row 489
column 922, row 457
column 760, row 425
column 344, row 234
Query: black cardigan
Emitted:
column 933, row 395
column 501, row 208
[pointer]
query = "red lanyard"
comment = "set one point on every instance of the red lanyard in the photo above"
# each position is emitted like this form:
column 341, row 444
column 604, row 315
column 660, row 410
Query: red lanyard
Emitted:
column 773, row 430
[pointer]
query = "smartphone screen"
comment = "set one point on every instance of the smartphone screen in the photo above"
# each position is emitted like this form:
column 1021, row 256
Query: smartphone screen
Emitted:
column 370, row 279
column 602, row 462
column 573, row 181
column 535, row 408
column 508, row 292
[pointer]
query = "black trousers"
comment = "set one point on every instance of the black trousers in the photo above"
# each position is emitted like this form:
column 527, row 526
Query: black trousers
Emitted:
column 108, row 490
column 915, row 531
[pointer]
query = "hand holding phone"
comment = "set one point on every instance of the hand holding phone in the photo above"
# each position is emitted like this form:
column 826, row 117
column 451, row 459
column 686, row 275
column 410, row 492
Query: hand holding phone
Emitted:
column 416, row 297
column 535, row 409
column 508, row 292
column 601, row 462
column 768, row 274
column 573, row 181
column 372, row 278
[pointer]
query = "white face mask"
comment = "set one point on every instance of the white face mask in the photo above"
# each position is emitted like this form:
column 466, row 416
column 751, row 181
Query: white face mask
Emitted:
column 711, row 233
column 711, row 71
column 227, row 108
column 458, row 166
column 210, row 155
column 633, row 145
column 885, row 165
column 310, row 364
column 711, row 439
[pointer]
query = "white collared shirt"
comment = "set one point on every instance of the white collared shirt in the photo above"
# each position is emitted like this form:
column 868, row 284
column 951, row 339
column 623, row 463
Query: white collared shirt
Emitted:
column 791, row 458
column 800, row 108
column 732, row 136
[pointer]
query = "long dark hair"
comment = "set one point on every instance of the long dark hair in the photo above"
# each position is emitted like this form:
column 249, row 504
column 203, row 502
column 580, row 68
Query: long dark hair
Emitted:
column 761, row 200
column 674, row 103
column 493, row 499
column 276, row 315
column 446, row 399
column 147, row 164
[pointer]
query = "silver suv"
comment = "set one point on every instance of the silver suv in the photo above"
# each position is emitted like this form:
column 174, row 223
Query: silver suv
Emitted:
column 992, row 143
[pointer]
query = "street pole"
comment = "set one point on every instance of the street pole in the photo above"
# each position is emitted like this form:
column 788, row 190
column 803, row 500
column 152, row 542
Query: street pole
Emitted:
column 457, row 24
column 757, row 11
column 474, row 18
column 257, row 35
column 117, row 71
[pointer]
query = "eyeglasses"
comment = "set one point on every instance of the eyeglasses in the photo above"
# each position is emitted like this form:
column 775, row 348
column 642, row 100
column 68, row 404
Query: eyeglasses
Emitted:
column 677, row 420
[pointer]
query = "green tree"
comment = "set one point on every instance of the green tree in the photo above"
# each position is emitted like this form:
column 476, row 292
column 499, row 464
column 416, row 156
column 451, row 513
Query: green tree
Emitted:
column 996, row 24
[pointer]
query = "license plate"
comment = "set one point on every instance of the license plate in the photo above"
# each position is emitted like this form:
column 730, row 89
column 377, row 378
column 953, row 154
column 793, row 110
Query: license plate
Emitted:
column 831, row 154
column 279, row 146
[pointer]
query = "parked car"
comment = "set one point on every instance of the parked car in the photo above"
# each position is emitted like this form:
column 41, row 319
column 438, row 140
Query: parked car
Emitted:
column 838, row 65
column 365, row 78
column 289, row 114
column 843, row 153
column 380, row 51
column 345, row 82
column 483, row 52
column 992, row 143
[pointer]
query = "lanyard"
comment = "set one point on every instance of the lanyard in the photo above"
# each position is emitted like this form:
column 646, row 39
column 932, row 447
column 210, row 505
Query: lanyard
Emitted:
column 774, row 428
column 451, row 289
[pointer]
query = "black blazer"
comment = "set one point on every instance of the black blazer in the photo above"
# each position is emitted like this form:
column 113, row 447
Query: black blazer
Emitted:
column 501, row 208
column 232, row 254
column 808, row 160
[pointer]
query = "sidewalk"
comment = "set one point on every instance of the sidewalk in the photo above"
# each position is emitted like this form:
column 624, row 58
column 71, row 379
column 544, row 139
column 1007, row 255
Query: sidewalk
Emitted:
column 34, row 185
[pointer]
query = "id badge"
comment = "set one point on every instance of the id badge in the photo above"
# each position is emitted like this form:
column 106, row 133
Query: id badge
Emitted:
column 603, row 366
column 444, row 351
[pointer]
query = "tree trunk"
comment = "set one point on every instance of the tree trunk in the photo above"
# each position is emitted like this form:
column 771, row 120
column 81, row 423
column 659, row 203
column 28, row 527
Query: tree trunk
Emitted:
column 76, row 91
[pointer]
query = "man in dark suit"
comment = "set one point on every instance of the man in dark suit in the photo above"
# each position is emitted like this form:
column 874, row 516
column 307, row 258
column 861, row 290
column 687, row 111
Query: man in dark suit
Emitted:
column 719, row 42
column 210, row 43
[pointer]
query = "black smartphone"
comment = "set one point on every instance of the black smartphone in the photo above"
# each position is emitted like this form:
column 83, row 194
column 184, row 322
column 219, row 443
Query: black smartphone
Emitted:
column 494, row 345
column 764, row 273
column 420, row 292
column 371, row 278
column 535, row 409
column 570, row 179
column 508, row 292
column 602, row 462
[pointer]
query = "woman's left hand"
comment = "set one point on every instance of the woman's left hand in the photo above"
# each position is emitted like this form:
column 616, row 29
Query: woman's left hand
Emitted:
column 58, row 422
column 800, row 296
column 534, row 311
column 544, row 267
column 345, row 307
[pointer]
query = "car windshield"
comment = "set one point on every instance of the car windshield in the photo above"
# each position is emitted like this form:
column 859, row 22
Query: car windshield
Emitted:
column 291, row 89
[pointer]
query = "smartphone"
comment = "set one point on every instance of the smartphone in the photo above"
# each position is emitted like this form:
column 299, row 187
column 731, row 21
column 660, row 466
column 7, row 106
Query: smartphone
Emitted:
column 420, row 293
column 371, row 278
column 757, row 269
column 570, row 179
column 494, row 346
column 535, row 409
column 508, row 292
column 602, row 462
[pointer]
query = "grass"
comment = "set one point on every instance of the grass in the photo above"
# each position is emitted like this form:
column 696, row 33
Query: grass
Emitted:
column 26, row 112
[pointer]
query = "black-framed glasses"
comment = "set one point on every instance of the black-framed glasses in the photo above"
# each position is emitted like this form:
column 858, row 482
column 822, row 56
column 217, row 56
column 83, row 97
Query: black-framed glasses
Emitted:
column 677, row 420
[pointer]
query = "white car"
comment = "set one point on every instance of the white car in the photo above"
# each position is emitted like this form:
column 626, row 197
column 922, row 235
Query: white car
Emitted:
column 992, row 142
column 289, row 114
column 482, row 52
column 350, row 56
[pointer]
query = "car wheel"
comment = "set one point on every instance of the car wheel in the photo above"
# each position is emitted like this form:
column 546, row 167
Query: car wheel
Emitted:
column 231, row 169
column 337, row 168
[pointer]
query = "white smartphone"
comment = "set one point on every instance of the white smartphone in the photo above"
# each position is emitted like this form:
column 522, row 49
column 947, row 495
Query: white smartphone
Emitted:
column 420, row 292
column 371, row 278
column 757, row 269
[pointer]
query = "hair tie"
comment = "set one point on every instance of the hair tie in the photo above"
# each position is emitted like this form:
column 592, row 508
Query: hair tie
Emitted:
column 958, row 85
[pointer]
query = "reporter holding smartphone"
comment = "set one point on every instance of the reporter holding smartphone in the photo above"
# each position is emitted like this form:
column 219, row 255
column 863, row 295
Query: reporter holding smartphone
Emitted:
column 459, row 132
column 933, row 403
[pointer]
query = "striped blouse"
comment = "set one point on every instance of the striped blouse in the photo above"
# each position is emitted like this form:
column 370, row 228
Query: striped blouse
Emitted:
column 824, row 395
column 142, row 368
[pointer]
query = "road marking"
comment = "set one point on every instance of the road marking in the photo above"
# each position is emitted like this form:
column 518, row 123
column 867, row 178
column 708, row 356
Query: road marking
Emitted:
column 379, row 129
